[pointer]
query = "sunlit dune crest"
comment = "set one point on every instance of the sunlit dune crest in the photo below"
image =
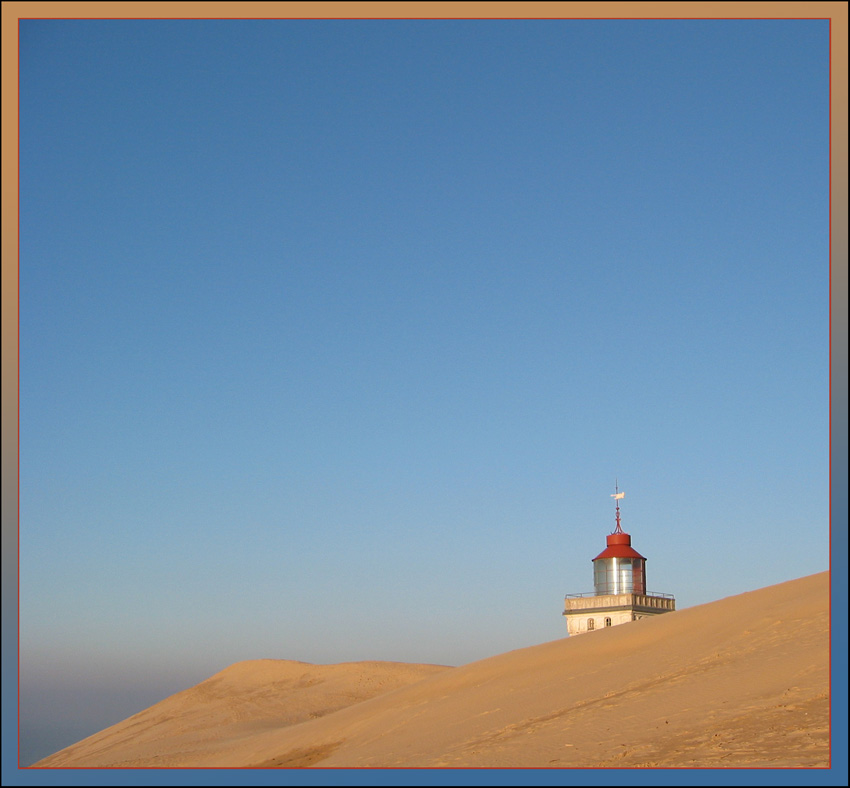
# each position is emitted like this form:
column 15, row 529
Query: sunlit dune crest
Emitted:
column 741, row 682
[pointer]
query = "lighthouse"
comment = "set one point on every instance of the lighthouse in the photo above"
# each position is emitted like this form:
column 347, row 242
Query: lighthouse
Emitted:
column 619, row 586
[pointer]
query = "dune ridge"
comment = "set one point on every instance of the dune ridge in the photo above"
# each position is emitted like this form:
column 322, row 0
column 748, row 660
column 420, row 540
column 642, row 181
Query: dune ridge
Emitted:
column 244, row 698
column 741, row 682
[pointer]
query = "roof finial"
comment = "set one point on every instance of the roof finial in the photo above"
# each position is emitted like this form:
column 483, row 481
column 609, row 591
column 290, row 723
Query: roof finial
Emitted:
column 616, row 496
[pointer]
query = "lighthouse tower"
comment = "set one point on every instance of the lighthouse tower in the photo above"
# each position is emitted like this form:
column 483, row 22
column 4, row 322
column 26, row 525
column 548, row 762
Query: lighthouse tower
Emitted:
column 619, row 587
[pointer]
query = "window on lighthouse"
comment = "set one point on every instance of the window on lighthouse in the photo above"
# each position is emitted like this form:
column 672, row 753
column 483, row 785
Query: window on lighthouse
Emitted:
column 600, row 577
column 623, row 580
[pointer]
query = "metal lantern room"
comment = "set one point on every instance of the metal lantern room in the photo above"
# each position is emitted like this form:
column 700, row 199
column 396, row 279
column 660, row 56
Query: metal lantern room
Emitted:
column 619, row 568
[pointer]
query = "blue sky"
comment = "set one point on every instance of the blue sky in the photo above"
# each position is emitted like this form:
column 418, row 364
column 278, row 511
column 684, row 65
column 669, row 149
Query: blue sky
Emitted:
column 335, row 335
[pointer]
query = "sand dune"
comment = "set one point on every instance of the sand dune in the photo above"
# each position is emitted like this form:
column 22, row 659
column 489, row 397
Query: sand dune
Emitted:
column 739, row 682
column 243, row 699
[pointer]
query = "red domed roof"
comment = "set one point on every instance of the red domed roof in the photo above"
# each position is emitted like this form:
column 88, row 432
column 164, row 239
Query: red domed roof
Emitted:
column 619, row 546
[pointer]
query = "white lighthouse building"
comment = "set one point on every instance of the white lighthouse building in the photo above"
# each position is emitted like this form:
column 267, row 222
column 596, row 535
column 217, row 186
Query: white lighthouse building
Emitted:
column 619, row 587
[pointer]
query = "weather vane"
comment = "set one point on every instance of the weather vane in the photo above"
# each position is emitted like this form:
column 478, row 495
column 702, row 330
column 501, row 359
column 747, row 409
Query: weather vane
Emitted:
column 617, row 495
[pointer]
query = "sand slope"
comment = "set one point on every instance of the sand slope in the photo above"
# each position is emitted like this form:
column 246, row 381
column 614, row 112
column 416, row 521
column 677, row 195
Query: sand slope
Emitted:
column 246, row 698
column 738, row 682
